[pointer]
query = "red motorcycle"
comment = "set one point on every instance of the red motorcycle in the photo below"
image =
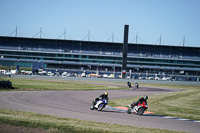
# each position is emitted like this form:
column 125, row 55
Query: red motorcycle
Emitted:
column 138, row 109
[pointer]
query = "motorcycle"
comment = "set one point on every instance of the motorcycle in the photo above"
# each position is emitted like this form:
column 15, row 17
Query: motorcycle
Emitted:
column 129, row 84
column 100, row 104
column 138, row 109
column 136, row 86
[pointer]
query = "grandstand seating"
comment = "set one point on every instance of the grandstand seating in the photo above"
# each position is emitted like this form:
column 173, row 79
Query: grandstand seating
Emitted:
column 108, row 51
column 85, row 52
column 142, row 50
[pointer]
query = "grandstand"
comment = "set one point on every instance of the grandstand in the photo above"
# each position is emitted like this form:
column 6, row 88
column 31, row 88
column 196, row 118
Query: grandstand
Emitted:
column 104, row 57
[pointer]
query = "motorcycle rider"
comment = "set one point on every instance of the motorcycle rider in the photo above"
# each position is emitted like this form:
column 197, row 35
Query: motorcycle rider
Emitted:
column 102, row 96
column 141, row 100
column 129, row 84
column 136, row 85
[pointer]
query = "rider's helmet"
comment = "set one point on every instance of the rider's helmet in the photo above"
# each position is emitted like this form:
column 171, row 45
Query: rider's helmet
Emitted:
column 106, row 93
column 145, row 97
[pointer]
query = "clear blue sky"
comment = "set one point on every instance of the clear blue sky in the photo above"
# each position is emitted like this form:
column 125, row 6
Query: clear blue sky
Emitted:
column 172, row 19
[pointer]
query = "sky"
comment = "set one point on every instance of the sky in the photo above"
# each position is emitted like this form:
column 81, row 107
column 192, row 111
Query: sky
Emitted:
column 104, row 20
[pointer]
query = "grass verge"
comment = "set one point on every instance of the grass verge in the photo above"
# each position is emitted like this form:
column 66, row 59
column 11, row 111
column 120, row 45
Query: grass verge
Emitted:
column 56, row 84
column 58, row 124
column 181, row 104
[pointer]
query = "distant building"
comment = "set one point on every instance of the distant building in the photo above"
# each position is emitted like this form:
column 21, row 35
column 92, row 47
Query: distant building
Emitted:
column 73, row 55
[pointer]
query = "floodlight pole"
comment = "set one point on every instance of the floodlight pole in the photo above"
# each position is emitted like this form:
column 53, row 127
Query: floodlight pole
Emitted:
column 184, row 41
column 113, row 37
column 160, row 39
column 40, row 32
column 16, row 32
column 136, row 38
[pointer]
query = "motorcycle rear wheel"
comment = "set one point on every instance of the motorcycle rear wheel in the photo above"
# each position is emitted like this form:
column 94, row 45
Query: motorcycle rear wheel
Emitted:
column 92, row 106
column 140, row 111
column 100, row 107
column 129, row 111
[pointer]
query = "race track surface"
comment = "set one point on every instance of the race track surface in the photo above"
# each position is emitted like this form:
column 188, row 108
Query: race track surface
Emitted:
column 76, row 104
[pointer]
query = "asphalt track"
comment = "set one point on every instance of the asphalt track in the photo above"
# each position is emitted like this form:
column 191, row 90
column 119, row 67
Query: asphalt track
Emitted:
column 76, row 104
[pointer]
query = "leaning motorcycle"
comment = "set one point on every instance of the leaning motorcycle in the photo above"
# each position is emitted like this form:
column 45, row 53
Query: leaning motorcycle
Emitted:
column 100, row 104
column 136, row 86
column 138, row 109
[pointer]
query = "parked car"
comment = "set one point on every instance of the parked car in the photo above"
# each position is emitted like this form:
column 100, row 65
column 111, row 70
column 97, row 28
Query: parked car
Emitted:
column 49, row 73
column 157, row 78
column 167, row 78
column 83, row 74
column 64, row 74
column 105, row 75
column 150, row 78
column 111, row 76
column 120, row 76
column 8, row 73
column 142, row 77
column 128, row 77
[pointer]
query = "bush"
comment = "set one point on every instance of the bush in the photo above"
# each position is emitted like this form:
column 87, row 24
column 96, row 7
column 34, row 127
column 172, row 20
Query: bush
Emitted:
column 6, row 85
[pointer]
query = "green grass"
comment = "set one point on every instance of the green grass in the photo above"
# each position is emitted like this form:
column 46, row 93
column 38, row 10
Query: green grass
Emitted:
column 54, row 84
column 181, row 104
column 58, row 124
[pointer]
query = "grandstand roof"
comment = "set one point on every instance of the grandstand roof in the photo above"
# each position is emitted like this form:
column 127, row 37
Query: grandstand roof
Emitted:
column 97, row 42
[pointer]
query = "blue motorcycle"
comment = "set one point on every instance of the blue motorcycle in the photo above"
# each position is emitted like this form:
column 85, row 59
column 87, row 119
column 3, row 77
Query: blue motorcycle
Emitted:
column 99, row 105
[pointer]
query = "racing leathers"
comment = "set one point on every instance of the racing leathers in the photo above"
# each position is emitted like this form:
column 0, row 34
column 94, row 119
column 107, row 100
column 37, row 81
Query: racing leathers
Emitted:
column 141, row 100
column 102, row 96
